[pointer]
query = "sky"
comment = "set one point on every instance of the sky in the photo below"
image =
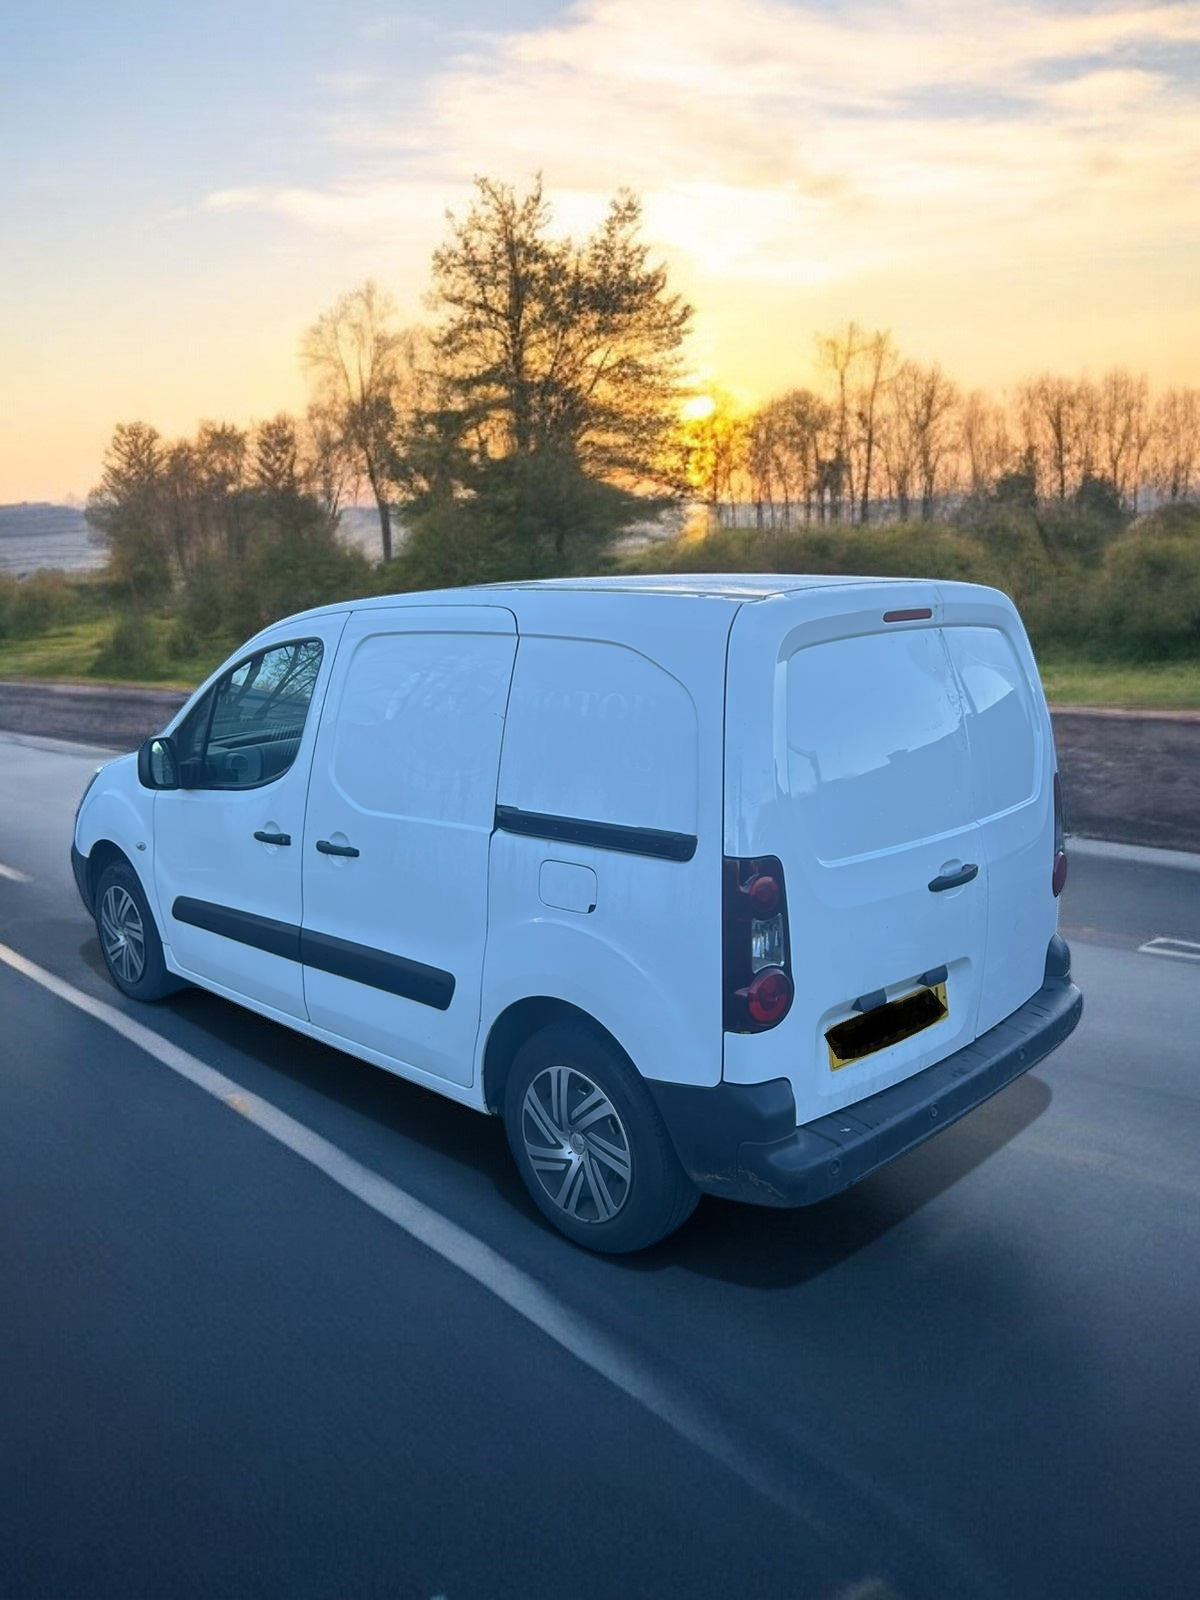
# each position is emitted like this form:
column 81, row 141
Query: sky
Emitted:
column 1009, row 188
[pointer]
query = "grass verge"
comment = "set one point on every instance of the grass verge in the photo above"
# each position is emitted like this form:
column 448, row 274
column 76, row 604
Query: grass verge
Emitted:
column 1145, row 686
column 67, row 654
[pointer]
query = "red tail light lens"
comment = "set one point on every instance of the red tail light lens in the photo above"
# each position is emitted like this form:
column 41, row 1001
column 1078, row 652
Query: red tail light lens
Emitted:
column 769, row 996
column 763, row 894
column 1058, row 876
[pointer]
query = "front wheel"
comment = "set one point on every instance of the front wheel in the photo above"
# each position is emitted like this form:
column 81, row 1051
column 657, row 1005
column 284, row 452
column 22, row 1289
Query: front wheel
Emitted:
column 590, row 1145
column 129, row 940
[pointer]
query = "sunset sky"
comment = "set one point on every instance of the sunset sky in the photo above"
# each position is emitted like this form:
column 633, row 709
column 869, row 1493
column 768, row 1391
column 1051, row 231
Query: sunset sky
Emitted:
column 1007, row 187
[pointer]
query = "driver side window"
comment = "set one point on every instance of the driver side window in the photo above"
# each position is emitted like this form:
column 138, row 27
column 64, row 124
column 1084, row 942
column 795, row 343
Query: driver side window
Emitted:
column 247, row 729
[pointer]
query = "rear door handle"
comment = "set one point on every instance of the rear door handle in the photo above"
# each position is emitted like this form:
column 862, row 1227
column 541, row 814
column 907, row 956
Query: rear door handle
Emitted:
column 327, row 849
column 272, row 838
column 953, row 880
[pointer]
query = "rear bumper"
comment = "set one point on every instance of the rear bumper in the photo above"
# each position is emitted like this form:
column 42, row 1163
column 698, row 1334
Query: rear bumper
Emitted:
column 741, row 1141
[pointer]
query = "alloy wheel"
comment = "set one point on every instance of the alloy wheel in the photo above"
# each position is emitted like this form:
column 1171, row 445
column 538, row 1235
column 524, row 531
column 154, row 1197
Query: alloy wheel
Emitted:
column 123, row 934
column 576, row 1144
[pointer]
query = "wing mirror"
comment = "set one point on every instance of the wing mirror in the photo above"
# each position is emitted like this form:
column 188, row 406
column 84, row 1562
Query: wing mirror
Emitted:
column 158, row 763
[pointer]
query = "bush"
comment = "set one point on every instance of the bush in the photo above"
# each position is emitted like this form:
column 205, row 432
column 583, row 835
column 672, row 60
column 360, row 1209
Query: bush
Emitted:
column 1148, row 600
column 132, row 650
column 35, row 604
column 292, row 560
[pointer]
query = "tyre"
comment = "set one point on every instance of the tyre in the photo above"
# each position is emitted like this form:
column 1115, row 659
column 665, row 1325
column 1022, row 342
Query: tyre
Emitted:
column 590, row 1145
column 129, row 940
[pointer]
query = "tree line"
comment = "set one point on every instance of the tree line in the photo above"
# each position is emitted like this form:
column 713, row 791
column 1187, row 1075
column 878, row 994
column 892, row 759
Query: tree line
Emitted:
column 545, row 407
column 884, row 434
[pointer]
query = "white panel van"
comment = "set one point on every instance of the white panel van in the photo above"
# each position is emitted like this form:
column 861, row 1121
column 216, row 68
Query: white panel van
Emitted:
column 743, row 885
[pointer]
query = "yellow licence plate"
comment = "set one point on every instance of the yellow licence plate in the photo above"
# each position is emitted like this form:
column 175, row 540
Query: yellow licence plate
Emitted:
column 869, row 1031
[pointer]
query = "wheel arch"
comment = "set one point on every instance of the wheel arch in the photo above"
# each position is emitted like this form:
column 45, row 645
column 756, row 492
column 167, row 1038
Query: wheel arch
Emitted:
column 518, row 1022
column 101, row 856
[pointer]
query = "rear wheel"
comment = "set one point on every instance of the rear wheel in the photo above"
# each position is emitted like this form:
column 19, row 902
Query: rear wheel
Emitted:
column 129, row 940
column 590, row 1144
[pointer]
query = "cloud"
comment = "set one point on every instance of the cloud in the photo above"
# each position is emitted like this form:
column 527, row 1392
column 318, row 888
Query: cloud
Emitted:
column 797, row 144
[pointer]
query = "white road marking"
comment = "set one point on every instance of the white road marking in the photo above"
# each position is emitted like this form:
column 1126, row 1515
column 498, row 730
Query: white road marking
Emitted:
column 13, row 875
column 471, row 1255
column 1143, row 854
column 1177, row 949
column 663, row 1398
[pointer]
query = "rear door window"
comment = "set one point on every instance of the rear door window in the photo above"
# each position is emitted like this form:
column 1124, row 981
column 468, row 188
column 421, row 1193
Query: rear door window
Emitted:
column 1002, row 726
column 876, row 742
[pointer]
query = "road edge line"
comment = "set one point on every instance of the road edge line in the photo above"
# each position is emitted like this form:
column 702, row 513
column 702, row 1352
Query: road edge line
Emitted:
column 510, row 1284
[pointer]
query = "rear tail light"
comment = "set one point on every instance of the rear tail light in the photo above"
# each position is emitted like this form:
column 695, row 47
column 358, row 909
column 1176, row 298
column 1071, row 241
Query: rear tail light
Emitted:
column 1058, row 876
column 757, row 962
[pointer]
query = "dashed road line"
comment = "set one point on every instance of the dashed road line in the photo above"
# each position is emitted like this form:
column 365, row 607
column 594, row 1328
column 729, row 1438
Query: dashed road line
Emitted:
column 1175, row 949
column 14, row 875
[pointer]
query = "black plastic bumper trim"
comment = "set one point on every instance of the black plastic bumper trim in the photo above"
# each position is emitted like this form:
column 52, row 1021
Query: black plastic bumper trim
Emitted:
column 741, row 1141
column 79, row 866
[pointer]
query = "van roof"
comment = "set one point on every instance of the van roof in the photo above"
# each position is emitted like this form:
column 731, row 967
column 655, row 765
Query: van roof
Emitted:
column 738, row 588
column 723, row 585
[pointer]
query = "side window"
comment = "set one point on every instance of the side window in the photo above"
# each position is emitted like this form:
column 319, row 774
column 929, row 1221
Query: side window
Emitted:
column 418, row 727
column 247, row 729
column 600, row 732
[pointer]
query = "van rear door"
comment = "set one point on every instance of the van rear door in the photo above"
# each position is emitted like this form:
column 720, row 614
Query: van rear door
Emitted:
column 1011, row 746
column 848, row 757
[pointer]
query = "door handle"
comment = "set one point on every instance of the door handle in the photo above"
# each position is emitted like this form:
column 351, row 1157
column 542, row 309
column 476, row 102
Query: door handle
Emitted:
column 327, row 849
column 272, row 838
column 954, row 880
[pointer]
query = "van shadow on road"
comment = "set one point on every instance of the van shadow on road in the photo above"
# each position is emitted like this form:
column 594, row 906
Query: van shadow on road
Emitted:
column 765, row 1249
column 752, row 1246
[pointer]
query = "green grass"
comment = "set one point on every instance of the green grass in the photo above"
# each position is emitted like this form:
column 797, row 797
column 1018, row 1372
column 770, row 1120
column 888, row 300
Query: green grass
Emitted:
column 1154, row 686
column 67, row 654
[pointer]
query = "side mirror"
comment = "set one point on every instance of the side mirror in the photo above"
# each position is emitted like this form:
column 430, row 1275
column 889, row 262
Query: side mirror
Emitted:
column 158, row 764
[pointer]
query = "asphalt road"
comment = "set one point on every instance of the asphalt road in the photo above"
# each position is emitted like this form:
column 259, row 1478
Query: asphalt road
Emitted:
column 221, row 1374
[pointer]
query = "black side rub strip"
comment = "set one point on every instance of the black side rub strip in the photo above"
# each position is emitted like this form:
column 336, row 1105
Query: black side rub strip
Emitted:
column 605, row 835
column 378, row 969
column 261, row 933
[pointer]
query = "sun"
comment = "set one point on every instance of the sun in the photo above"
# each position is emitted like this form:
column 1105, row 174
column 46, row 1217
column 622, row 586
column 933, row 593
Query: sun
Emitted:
column 697, row 408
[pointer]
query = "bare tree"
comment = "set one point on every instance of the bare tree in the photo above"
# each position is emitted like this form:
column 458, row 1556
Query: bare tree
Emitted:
column 984, row 442
column 276, row 447
column 1055, row 416
column 716, row 447
column 862, row 365
column 1175, row 448
column 1125, row 418
column 352, row 353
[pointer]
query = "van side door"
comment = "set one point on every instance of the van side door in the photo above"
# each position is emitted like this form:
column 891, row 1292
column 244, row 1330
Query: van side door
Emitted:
column 401, row 809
